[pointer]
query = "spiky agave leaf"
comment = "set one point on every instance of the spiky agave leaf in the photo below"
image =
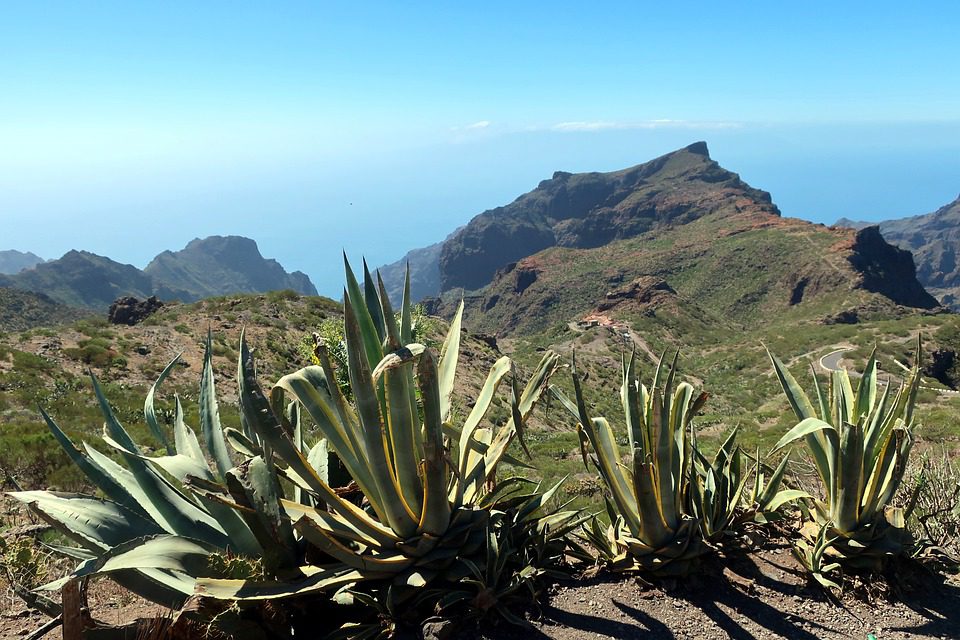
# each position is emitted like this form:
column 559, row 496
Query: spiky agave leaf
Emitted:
column 146, row 499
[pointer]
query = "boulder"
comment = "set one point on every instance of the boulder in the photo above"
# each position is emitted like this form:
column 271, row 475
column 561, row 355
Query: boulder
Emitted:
column 130, row 310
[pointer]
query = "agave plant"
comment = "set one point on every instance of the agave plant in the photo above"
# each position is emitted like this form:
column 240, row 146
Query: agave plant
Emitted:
column 671, row 502
column 429, row 494
column 763, row 502
column 652, row 527
column 859, row 439
column 722, row 498
column 149, row 529
column 425, row 518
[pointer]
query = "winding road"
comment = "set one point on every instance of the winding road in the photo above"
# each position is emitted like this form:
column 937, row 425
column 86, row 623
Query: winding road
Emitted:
column 831, row 362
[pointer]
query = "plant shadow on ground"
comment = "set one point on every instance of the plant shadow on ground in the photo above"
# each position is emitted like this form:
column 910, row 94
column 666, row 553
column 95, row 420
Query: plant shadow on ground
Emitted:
column 742, row 596
column 927, row 594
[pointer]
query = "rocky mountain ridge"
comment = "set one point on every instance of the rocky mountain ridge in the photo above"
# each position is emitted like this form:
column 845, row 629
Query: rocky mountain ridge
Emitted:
column 21, row 310
column 592, row 209
column 221, row 265
column 584, row 210
column 721, row 271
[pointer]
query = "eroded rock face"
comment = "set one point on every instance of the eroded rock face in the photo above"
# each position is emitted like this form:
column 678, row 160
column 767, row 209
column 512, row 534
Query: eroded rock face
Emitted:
column 934, row 239
column 130, row 310
column 888, row 270
column 942, row 367
column 643, row 290
column 586, row 210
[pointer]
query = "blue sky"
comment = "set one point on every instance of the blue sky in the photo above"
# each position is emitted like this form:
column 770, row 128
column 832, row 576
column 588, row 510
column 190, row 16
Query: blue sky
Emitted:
column 127, row 128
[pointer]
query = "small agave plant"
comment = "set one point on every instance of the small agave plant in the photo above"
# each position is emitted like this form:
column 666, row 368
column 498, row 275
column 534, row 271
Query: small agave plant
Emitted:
column 652, row 527
column 432, row 515
column 669, row 503
column 859, row 438
column 722, row 497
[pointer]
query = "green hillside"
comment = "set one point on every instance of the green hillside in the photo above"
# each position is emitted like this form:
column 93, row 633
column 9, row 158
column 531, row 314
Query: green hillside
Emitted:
column 21, row 310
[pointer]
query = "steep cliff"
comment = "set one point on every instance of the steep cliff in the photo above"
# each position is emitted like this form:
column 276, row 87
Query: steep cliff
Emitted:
column 424, row 273
column 934, row 239
column 887, row 270
column 719, row 273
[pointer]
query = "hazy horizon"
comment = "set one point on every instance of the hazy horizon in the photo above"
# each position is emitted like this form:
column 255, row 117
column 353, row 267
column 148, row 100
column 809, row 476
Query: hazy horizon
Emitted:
column 128, row 130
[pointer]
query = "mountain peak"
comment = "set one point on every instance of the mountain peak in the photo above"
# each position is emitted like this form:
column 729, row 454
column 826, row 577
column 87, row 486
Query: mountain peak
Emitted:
column 13, row 261
column 224, row 243
column 699, row 148
column 218, row 265
column 221, row 265
column 587, row 210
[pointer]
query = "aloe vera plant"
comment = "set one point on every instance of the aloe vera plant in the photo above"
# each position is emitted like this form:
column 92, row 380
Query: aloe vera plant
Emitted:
column 859, row 439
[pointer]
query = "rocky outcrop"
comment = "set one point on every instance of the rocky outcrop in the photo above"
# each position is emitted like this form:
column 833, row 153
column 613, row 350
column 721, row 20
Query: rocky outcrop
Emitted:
column 934, row 240
column 592, row 209
column 888, row 270
column 847, row 316
column 130, row 310
column 942, row 366
column 643, row 290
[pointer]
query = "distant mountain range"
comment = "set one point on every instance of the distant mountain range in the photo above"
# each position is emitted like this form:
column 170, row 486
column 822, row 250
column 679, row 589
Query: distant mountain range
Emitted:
column 221, row 265
column 13, row 261
column 934, row 239
column 217, row 265
column 674, row 224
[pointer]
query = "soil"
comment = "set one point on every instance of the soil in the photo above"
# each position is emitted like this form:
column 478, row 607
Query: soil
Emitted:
column 759, row 595
column 763, row 594
column 109, row 603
